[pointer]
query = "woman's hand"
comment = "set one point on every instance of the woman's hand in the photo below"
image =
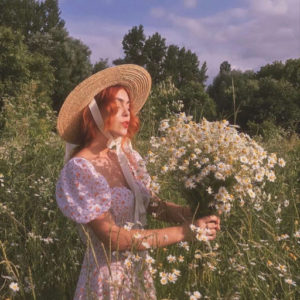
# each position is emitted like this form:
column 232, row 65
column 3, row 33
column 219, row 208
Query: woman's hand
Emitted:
column 211, row 223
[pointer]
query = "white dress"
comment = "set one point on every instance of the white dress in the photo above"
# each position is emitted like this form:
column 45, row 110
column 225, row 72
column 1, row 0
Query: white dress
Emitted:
column 83, row 194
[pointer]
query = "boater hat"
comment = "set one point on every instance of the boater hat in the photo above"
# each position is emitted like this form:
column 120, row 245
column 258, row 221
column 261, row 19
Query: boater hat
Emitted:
column 135, row 78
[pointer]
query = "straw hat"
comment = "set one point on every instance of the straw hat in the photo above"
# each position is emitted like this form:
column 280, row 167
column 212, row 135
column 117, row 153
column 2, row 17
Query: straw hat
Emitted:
column 135, row 78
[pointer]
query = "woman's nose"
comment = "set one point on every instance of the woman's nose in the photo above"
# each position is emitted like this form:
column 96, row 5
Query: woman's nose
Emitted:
column 125, row 111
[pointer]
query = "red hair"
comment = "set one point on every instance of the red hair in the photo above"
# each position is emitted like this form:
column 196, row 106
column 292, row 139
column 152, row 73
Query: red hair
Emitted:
column 108, row 108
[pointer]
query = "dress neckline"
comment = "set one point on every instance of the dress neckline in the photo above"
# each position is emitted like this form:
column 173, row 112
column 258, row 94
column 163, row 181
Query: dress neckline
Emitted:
column 99, row 174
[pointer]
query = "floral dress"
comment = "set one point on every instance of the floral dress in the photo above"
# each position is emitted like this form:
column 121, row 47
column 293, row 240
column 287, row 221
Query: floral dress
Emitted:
column 83, row 194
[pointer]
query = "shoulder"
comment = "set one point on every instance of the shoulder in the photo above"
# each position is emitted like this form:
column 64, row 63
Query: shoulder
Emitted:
column 82, row 194
column 79, row 170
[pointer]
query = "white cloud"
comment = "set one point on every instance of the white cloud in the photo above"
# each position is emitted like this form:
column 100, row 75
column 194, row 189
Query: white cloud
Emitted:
column 190, row 3
column 248, row 37
column 103, row 38
column 157, row 12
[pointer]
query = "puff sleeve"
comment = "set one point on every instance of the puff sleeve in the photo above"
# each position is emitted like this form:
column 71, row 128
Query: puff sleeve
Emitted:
column 82, row 194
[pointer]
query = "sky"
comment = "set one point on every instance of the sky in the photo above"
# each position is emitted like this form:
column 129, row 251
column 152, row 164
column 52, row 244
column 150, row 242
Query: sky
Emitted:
column 246, row 33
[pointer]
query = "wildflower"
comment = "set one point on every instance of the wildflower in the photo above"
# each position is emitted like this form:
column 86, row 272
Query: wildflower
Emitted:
column 152, row 270
column 164, row 169
column 197, row 165
column 209, row 190
column 259, row 177
column 180, row 258
column 172, row 277
column 136, row 257
column 127, row 263
column 164, row 280
column 176, row 272
column 197, row 295
column 189, row 184
column 14, row 287
column 271, row 176
column 171, row 258
column 193, row 156
column 244, row 159
column 261, row 277
column 282, row 237
column 149, row 259
column 251, row 193
column 198, row 256
column 219, row 176
column 146, row 245
column 281, row 162
column 137, row 236
column 48, row 240
column 290, row 281
column 281, row 268
column 197, row 151
column 164, row 124
column 212, row 267
column 269, row 263
column 297, row 234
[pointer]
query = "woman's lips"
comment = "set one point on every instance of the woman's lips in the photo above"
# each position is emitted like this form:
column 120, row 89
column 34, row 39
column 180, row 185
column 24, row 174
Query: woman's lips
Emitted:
column 125, row 124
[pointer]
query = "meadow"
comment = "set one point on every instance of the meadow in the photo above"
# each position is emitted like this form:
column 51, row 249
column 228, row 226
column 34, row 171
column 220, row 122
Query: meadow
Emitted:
column 255, row 255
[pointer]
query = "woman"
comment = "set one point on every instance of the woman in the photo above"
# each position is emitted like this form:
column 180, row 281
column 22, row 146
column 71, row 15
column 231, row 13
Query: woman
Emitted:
column 106, row 190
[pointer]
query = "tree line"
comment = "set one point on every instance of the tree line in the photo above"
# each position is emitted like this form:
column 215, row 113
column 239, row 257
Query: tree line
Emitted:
column 36, row 47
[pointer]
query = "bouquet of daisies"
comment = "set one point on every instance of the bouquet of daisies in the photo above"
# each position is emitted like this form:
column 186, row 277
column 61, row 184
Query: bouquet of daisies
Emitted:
column 214, row 165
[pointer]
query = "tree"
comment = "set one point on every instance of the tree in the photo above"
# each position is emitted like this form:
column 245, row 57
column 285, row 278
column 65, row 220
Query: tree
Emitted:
column 161, row 61
column 232, row 91
column 183, row 66
column 276, row 101
column 100, row 65
column 30, row 16
column 154, row 52
column 225, row 67
column 197, row 102
column 133, row 46
column 19, row 66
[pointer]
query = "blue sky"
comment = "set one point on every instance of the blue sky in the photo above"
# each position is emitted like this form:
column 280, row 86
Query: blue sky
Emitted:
column 247, row 33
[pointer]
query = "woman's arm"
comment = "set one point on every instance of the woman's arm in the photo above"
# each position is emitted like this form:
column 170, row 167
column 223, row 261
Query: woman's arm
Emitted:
column 117, row 238
column 169, row 212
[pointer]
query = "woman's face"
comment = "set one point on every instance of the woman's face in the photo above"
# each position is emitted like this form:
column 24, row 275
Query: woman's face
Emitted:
column 120, row 121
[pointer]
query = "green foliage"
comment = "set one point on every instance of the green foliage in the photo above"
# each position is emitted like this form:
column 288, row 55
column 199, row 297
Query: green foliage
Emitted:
column 133, row 45
column 69, row 57
column 273, row 93
column 33, row 240
column 18, row 66
column 14, row 61
column 42, row 30
column 163, row 101
column 30, row 16
column 100, row 65
column 196, row 101
column 155, row 51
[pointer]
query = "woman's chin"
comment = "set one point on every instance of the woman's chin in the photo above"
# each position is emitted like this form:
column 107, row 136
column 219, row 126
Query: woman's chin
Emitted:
column 117, row 134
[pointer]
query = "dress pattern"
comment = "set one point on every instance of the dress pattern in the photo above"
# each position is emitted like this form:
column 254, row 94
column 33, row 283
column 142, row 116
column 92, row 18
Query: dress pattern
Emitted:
column 82, row 195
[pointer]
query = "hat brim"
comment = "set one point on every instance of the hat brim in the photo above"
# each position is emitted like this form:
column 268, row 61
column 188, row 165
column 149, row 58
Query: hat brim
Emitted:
column 135, row 78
